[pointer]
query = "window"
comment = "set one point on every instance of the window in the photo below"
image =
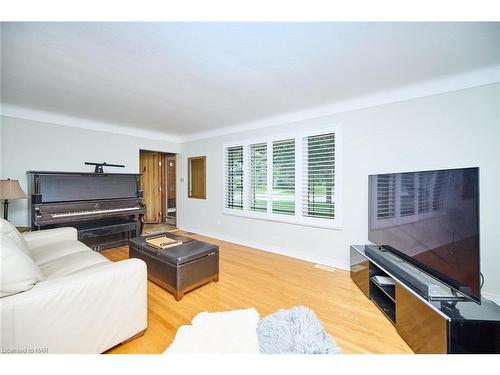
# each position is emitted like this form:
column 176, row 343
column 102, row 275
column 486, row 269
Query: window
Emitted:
column 258, row 177
column 319, row 176
column 291, row 178
column 234, row 178
column 197, row 177
column 284, row 177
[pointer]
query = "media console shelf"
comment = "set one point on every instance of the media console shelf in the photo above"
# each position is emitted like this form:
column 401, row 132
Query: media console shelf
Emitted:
column 427, row 326
column 384, row 297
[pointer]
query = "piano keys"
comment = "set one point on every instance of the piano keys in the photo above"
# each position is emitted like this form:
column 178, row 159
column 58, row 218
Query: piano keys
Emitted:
column 105, row 208
column 93, row 212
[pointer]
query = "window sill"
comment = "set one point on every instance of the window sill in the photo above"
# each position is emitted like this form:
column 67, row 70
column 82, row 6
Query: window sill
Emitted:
column 302, row 221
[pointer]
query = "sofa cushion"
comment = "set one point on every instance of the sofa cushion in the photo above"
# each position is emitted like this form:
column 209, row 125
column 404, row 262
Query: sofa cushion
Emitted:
column 46, row 253
column 71, row 263
column 18, row 271
column 8, row 230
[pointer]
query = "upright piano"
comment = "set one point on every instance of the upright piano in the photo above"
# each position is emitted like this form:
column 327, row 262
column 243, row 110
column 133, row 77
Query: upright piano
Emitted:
column 105, row 208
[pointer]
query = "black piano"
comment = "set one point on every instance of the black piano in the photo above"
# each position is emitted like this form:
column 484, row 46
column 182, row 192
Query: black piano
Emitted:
column 105, row 208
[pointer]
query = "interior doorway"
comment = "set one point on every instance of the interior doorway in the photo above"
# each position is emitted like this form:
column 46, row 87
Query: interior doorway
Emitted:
column 158, row 184
column 171, row 162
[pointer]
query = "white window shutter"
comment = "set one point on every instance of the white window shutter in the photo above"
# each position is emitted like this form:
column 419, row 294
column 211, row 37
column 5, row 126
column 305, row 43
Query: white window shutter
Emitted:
column 257, row 192
column 233, row 189
column 318, row 176
column 289, row 178
column 283, row 193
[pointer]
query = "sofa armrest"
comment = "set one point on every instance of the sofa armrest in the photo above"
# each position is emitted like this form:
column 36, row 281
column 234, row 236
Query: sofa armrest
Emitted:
column 85, row 312
column 48, row 236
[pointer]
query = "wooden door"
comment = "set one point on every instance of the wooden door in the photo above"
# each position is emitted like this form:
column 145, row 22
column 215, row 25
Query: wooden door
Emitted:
column 152, row 179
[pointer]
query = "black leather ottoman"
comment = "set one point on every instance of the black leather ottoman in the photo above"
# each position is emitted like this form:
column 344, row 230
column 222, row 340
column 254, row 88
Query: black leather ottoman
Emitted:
column 181, row 268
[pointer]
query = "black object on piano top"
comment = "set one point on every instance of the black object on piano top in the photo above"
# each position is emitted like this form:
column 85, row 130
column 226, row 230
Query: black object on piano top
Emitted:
column 102, row 203
column 98, row 166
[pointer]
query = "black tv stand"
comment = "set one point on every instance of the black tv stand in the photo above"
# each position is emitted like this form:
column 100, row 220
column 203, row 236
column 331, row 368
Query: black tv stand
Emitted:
column 453, row 325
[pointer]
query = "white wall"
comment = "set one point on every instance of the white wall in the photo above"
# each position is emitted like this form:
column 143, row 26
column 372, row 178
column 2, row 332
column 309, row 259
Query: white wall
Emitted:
column 30, row 145
column 452, row 130
column 457, row 129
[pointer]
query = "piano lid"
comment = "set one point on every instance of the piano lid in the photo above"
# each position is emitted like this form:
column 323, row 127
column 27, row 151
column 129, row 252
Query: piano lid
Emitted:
column 83, row 173
column 56, row 187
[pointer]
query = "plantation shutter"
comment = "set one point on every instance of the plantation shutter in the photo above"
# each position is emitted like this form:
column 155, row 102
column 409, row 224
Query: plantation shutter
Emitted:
column 233, row 194
column 258, row 177
column 386, row 196
column 283, row 193
column 318, row 176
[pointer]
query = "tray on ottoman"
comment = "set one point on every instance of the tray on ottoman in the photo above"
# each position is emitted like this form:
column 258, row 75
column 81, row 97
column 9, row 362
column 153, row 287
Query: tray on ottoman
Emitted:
column 181, row 268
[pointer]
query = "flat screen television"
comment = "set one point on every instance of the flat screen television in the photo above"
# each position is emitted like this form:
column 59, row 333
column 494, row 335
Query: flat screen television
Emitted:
column 430, row 219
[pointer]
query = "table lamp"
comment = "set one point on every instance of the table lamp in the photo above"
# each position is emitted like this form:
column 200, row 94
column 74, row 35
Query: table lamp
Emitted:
column 10, row 189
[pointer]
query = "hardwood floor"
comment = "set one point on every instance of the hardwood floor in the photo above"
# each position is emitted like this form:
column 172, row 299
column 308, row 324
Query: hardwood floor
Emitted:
column 157, row 228
column 268, row 282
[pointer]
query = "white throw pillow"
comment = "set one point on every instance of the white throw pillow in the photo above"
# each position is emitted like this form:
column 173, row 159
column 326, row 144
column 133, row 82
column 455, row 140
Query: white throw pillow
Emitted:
column 18, row 271
column 8, row 230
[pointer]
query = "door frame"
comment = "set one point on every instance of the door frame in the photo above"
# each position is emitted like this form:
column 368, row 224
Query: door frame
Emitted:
column 167, row 197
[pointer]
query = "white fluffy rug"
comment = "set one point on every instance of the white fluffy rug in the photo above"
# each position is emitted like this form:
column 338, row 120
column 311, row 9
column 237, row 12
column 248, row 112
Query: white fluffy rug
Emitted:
column 291, row 331
column 221, row 332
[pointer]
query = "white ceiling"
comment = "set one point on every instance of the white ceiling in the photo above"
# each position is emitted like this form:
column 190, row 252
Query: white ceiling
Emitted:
column 187, row 78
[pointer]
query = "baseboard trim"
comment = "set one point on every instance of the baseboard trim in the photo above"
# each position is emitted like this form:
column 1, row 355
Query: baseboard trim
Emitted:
column 492, row 297
column 317, row 259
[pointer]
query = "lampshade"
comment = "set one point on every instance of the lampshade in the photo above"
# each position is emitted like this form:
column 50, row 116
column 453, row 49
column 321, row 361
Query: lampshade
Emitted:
column 10, row 189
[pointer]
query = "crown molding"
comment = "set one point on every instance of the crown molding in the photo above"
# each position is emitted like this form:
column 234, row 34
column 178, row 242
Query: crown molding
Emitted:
column 437, row 86
column 24, row 113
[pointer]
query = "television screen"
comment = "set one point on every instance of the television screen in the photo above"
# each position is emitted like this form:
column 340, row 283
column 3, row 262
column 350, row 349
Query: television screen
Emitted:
column 430, row 219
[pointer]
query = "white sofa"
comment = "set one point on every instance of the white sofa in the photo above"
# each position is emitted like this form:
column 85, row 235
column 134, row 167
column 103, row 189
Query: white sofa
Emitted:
column 59, row 296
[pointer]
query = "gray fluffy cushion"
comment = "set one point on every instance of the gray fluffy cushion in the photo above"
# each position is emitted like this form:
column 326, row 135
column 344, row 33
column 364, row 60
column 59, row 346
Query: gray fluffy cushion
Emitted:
column 294, row 331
